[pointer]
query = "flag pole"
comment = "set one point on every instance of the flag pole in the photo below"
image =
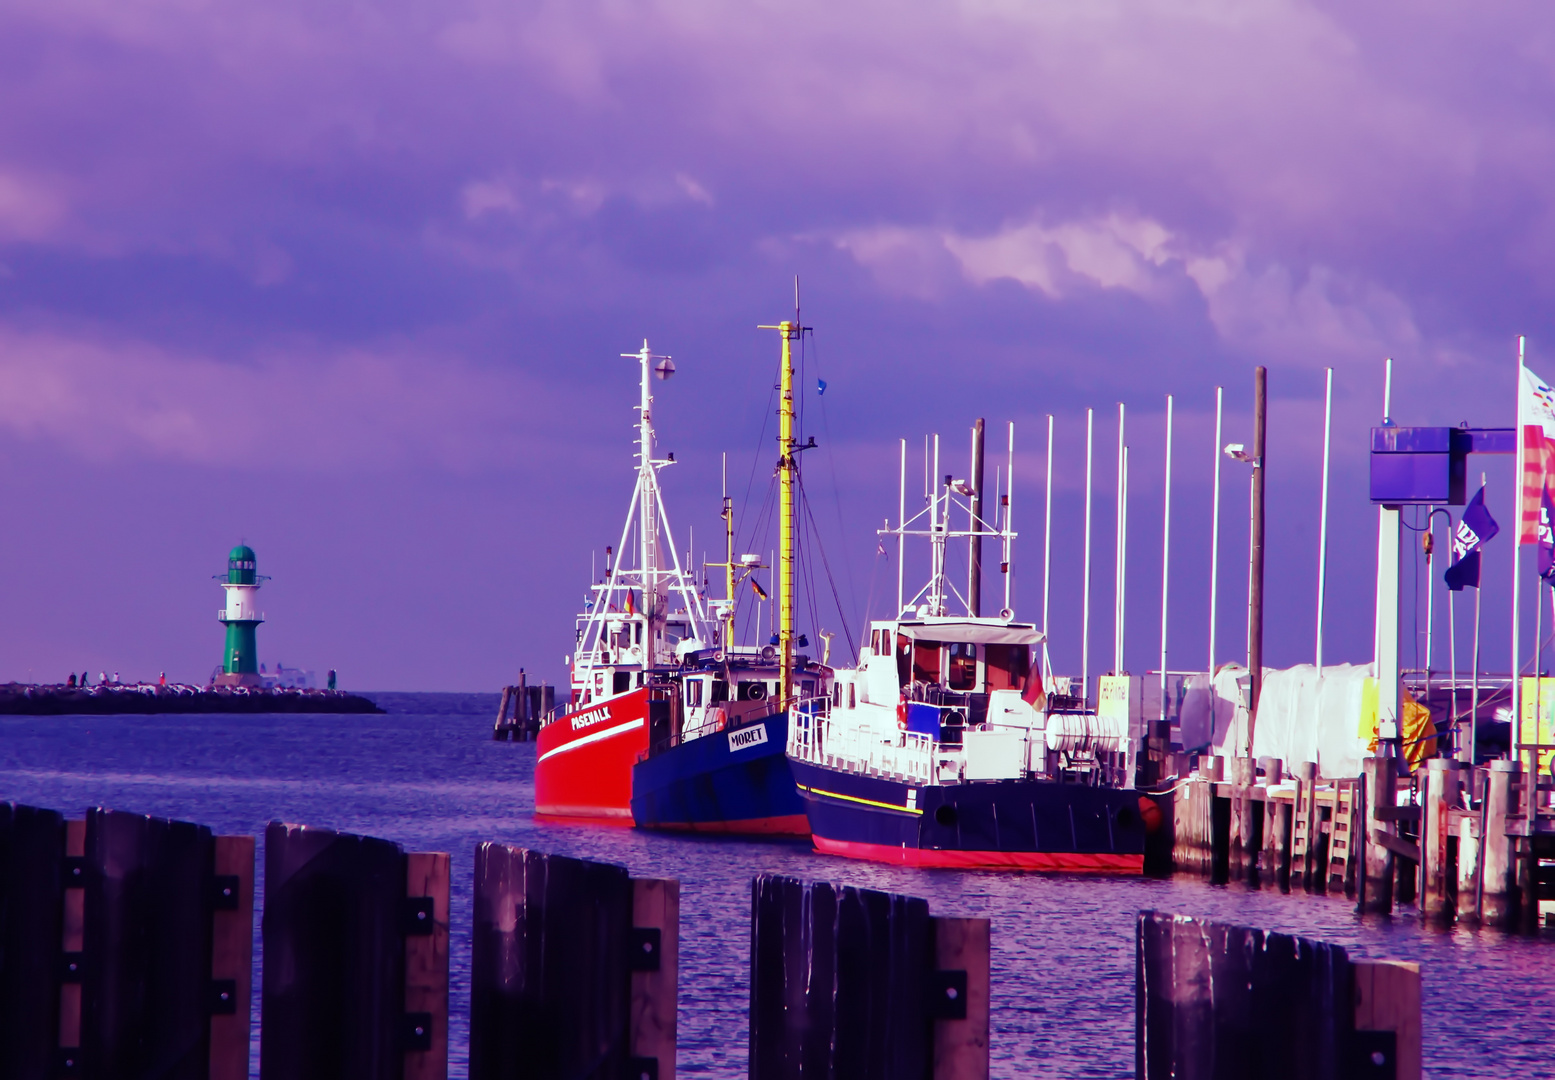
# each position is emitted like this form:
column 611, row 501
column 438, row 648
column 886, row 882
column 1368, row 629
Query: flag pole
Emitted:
column 1166, row 549
column 1452, row 646
column 1322, row 520
column 1518, row 495
column 1123, row 563
column 1429, row 542
column 1047, row 555
column 1085, row 605
column 1214, row 536
column 1117, row 573
column 1474, row 681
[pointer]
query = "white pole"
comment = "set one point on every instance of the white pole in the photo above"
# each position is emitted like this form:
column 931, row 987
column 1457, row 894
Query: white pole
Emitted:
column 1322, row 525
column 1122, row 564
column 1085, row 604
column 1009, row 506
column 1385, row 625
column 1166, row 549
column 1214, row 536
column 1117, row 575
column 1517, row 550
column 1430, row 603
column 1047, row 551
column 936, row 523
column 901, row 523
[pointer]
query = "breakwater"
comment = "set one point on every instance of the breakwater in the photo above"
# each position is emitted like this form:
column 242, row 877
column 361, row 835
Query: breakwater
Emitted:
column 28, row 699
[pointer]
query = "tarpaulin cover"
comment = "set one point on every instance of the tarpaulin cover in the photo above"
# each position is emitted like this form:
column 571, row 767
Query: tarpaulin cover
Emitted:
column 1302, row 716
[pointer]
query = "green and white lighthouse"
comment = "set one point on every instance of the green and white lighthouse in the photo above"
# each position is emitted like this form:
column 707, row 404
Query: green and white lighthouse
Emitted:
column 240, row 662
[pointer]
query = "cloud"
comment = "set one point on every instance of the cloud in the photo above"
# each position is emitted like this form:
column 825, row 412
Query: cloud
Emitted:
column 304, row 409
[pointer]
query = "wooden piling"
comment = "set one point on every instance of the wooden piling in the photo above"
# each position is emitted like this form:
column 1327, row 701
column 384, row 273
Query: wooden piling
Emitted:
column 1439, row 796
column 1387, row 1002
column 499, row 730
column 1244, row 852
column 961, row 1043
column 1469, row 832
column 232, row 958
column 426, row 966
column 1376, row 887
column 1498, row 905
column 32, row 886
column 655, row 907
column 72, row 943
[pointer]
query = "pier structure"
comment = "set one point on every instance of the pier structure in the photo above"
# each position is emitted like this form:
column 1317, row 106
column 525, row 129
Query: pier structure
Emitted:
column 241, row 615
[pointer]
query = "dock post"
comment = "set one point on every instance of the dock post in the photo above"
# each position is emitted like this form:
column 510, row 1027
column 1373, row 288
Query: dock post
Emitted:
column 1387, row 1003
column 652, row 1016
column 845, row 982
column 1376, row 890
column 565, row 980
column 337, row 916
column 1220, row 827
column 961, row 1040
column 232, row 957
column 499, row 730
column 1244, row 861
column 35, row 850
column 1470, row 829
column 1498, row 906
column 426, row 965
column 1439, row 797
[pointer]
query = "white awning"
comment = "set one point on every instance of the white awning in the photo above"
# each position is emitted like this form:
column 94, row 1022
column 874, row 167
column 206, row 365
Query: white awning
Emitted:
column 975, row 633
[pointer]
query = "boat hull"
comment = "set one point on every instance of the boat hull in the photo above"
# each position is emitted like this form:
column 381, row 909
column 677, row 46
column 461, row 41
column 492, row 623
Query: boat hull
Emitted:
column 997, row 824
column 584, row 759
column 735, row 781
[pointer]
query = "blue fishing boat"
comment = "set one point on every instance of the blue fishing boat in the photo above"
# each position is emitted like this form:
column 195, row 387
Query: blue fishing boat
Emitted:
column 716, row 758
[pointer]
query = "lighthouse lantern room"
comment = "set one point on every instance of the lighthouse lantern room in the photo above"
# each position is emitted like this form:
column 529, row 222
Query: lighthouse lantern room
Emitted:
column 240, row 662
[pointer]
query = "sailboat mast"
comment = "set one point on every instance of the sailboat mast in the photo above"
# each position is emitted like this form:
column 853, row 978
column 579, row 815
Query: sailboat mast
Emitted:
column 728, row 516
column 788, row 331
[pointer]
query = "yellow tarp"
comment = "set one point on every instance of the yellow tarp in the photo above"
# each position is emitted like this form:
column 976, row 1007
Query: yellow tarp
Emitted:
column 1418, row 731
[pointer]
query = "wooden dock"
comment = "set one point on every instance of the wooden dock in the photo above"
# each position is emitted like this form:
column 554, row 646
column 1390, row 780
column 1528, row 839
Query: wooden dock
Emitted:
column 1464, row 845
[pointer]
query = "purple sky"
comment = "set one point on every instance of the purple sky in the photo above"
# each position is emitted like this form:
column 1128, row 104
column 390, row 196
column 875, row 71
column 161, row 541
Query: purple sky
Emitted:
column 350, row 282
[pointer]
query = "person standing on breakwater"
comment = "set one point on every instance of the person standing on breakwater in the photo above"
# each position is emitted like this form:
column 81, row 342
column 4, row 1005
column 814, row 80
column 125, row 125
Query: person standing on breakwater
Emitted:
column 72, row 682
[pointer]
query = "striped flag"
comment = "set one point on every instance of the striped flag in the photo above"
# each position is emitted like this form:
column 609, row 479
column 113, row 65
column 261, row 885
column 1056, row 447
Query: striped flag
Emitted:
column 1536, row 421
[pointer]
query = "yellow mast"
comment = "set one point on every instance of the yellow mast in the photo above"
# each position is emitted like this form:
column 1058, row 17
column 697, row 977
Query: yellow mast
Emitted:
column 788, row 331
column 728, row 516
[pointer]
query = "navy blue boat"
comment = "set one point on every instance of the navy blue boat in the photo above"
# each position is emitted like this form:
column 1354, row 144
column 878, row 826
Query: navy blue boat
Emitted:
column 718, row 764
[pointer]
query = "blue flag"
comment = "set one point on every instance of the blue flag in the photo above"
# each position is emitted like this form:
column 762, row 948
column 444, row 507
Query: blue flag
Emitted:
column 1475, row 528
column 820, row 386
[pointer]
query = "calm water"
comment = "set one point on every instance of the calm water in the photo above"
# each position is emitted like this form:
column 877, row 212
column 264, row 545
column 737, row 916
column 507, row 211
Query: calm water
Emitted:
column 429, row 776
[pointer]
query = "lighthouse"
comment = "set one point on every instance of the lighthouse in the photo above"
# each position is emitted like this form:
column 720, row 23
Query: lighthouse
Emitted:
column 240, row 662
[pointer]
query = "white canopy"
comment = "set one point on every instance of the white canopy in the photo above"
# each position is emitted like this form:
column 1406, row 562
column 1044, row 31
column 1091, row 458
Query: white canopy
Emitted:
column 972, row 631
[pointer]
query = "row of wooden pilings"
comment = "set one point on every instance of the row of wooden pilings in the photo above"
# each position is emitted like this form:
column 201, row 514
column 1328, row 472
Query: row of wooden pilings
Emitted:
column 1467, row 845
column 521, row 709
column 126, row 952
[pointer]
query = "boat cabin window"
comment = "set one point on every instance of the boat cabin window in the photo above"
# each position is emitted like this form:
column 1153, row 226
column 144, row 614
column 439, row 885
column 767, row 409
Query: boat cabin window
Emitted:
column 621, row 683
column 852, row 698
column 1007, row 666
column 903, row 659
column 675, row 632
column 720, row 692
column 836, row 695
column 925, row 661
column 806, row 688
column 693, row 693
column 637, row 629
column 963, row 666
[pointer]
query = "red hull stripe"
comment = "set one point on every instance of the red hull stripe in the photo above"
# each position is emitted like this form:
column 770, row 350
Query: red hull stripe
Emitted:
column 993, row 860
column 783, row 825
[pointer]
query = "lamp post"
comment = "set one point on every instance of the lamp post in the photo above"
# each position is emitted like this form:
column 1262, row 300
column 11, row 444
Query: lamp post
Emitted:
column 1240, row 453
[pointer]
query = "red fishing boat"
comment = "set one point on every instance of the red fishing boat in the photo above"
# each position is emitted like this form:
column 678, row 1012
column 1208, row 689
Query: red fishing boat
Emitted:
column 641, row 619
